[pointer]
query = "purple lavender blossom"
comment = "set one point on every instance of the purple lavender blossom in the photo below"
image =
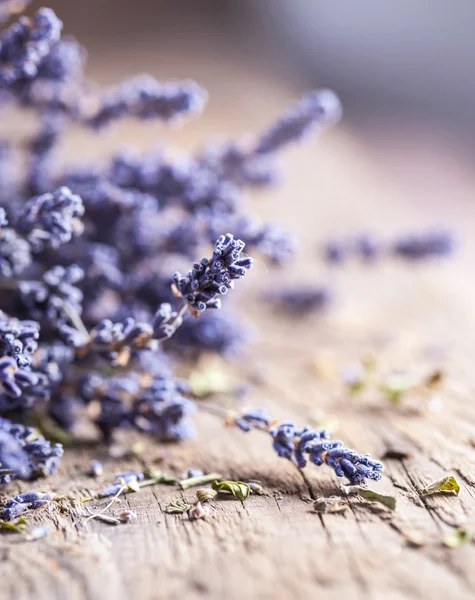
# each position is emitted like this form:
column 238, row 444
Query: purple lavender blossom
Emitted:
column 28, row 453
column 295, row 444
column 52, row 219
column 209, row 279
column 163, row 410
column 25, row 44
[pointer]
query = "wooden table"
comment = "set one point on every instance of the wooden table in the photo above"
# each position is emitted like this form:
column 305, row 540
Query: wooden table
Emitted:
column 410, row 317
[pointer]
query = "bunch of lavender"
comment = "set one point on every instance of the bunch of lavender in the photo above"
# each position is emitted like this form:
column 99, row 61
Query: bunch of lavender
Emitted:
column 88, row 308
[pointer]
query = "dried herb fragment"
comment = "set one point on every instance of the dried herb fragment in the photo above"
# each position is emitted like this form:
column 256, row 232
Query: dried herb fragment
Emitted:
column 330, row 505
column 178, row 507
column 203, row 479
column 458, row 537
column 256, row 488
column 208, row 381
column 397, row 384
column 198, row 511
column 388, row 501
column 238, row 489
column 205, row 494
column 19, row 526
column 101, row 517
column 447, row 484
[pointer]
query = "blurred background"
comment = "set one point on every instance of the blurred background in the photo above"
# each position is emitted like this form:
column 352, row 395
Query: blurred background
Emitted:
column 404, row 70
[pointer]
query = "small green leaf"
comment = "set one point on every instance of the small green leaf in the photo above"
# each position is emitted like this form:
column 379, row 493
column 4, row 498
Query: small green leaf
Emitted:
column 18, row 526
column 178, row 507
column 446, row 484
column 238, row 489
column 458, row 537
column 201, row 480
column 212, row 380
column 388, row 501
column 396, row 385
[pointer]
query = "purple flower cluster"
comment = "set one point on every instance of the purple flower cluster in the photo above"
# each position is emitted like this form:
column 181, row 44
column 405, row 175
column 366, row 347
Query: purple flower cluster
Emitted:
column 24, row 454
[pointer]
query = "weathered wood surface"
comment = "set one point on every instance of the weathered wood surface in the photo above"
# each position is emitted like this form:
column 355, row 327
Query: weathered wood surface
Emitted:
column 416, row 317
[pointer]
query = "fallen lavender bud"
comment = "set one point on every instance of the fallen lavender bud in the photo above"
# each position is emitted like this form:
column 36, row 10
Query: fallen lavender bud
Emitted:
column 25, row 501
column 96, row 468
column 122, row 481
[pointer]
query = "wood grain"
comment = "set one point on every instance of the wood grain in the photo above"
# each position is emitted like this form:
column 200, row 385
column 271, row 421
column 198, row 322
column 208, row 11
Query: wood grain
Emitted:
column 275, row 546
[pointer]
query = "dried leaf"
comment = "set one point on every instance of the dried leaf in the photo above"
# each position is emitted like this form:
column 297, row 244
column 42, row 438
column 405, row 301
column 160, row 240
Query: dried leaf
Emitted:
column 331, row 505
column 238, row 489
column 18, row 526
column 458, row 537
column 205, row 494
column 434, row 378
column 388, row 501
column 447, row 484
column 156, row 477
column 178, row 507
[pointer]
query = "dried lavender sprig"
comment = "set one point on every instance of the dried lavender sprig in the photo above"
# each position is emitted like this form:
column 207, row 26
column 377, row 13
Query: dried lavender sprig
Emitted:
column 144, row 97
column 307, row 444
column 317, row 108
column 209, row 279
